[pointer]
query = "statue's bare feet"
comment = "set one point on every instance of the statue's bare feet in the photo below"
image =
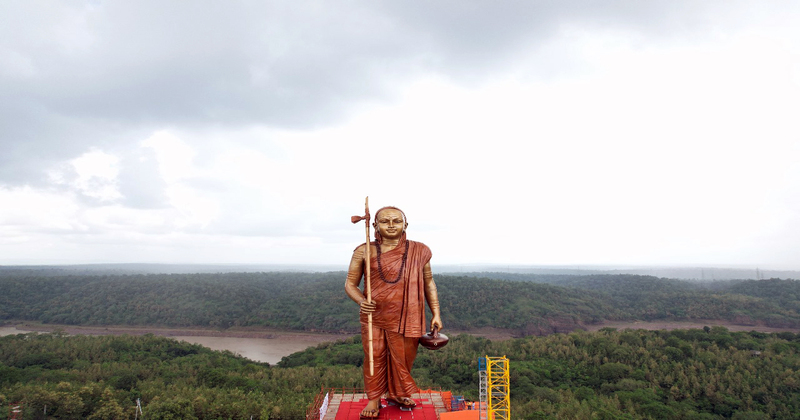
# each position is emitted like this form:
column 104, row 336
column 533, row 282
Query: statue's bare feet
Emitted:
column 403, row 402
column 372, row 410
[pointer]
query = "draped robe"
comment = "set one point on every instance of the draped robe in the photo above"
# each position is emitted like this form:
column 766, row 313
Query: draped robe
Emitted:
column 398, row 321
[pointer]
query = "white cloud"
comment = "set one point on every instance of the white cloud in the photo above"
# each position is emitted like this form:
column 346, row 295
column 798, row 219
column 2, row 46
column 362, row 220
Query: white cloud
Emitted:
column 174, row 155
column 176, row 163
column 97, row 175
column 631, row 134
column 27, row 210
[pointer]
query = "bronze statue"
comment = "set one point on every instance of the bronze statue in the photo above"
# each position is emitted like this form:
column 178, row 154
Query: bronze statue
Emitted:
column 401, row 282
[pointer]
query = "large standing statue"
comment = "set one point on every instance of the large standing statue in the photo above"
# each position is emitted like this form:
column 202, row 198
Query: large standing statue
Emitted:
column 401, row 282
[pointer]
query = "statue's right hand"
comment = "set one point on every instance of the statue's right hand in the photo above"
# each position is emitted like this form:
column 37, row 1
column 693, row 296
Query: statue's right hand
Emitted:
column 368, row 307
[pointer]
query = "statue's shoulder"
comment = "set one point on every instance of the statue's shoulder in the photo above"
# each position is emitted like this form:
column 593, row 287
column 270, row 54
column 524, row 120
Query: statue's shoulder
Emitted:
column 420, row 247
column 361, row 248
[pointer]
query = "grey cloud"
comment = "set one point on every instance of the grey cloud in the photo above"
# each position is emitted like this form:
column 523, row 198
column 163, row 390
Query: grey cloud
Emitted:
column 287, row 65
column 33, row 139
column 165, row 63
column 140, row 66
column 92, row 74
column 475, row 40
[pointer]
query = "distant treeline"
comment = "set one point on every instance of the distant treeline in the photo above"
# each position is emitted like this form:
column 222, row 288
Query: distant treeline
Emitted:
column 689, row 273
column 697, row 374
column 526, row 304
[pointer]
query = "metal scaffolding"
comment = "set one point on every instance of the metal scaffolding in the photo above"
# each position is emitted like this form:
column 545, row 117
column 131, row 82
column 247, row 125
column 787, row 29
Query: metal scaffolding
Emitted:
column 497, row 385
column 482, row 387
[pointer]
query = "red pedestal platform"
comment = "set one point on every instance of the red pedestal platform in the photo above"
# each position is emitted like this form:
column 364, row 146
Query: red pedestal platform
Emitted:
column 348, row 406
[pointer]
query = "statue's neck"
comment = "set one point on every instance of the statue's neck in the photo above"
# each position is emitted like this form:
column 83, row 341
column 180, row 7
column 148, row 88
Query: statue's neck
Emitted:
column 390, row 243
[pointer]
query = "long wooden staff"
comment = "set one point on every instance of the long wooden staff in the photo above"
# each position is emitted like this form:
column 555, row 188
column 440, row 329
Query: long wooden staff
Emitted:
column 368, row 287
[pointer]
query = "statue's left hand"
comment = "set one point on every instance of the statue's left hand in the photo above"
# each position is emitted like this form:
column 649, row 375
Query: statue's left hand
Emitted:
column 436, row 322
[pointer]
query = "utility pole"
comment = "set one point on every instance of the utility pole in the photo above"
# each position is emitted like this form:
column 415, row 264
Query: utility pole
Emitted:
column 139, row 409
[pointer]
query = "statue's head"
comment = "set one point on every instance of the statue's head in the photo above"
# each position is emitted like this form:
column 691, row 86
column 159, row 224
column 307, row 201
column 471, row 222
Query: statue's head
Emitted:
column 390, row 223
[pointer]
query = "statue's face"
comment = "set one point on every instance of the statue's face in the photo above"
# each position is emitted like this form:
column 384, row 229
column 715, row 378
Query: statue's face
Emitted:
column 390, row 223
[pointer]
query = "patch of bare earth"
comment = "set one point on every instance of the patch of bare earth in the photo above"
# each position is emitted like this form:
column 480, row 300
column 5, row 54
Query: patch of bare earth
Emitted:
column 262, row 333
column 313, row 338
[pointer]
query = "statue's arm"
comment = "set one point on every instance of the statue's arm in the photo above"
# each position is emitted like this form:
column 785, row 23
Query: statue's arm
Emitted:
column 432, row 296
column 354, row 274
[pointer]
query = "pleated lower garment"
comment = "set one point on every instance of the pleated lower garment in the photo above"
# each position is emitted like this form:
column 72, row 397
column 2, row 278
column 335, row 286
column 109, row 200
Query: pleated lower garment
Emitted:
column 398, row 322
column 393, row 356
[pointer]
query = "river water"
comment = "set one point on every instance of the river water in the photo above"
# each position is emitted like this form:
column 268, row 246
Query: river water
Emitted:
column 269, row 350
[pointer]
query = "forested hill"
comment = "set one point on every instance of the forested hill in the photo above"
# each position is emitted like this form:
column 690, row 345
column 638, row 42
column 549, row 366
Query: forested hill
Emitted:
column 770, row 302
column 633, row 374
column 316, row 301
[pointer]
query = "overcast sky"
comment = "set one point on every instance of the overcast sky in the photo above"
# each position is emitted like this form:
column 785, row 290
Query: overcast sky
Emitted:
column 510, row 132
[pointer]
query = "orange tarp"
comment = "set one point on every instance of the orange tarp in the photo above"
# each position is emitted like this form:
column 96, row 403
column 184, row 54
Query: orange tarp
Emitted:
column 460, row 415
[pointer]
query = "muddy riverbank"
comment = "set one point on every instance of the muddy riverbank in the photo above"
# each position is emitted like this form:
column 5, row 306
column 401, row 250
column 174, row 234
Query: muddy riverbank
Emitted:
column 261, row 345
column 269, row 345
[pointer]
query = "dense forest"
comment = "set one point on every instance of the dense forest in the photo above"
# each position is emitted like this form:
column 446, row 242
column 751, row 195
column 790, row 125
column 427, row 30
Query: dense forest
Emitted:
column 696, row 374
column 90, row 377
column 523, row 304
column 708, row 373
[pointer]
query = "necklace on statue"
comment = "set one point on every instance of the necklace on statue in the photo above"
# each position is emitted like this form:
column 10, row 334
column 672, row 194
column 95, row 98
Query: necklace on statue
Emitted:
column 402, row 265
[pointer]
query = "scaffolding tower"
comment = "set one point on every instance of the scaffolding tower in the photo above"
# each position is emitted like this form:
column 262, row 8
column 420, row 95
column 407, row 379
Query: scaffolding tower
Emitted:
column 482, row 386
column 497, row 388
